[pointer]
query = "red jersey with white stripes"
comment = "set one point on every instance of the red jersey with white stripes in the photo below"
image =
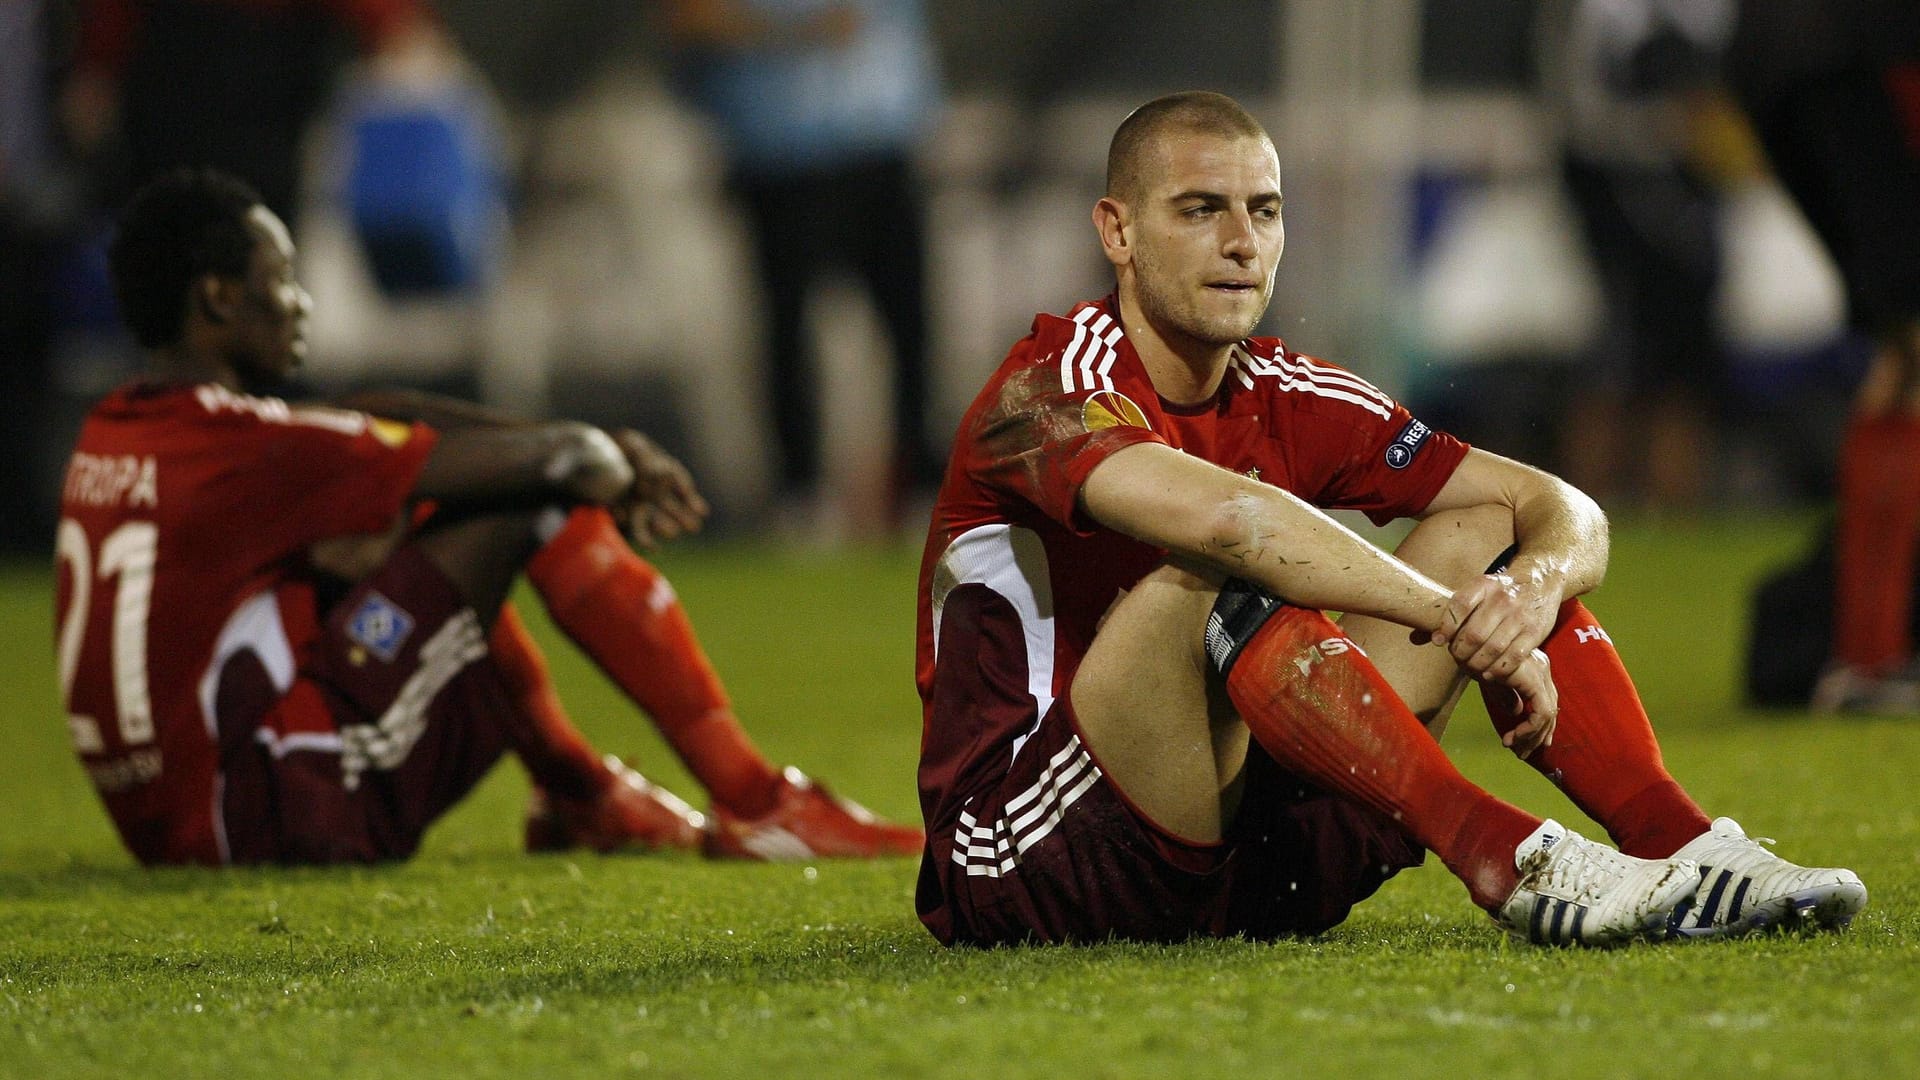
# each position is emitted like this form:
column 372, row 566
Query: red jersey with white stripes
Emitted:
column 180, row 504
column 1014, row 578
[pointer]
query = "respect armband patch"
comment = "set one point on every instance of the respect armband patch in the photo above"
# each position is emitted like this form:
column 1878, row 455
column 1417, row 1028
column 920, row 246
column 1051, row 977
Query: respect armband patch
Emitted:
column 1401, row 450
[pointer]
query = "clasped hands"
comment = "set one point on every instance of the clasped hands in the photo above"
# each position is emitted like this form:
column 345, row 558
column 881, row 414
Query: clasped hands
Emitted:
column 1493, row 628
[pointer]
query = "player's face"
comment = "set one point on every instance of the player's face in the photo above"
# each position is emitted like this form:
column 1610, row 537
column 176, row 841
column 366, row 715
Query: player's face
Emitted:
column 270, row 329
column 1208, row 236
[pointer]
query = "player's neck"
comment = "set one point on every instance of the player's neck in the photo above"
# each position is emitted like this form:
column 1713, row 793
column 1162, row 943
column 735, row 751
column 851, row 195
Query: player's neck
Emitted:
column 1184, row 371
column 185, row 364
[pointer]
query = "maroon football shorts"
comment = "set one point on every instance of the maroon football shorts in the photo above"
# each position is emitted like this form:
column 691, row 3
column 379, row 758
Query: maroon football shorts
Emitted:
column 395, row 713
column 1054, row 852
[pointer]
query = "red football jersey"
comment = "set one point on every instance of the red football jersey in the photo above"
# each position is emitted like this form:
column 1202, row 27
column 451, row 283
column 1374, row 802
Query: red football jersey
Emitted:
column 1014, row 579
column 180, row 503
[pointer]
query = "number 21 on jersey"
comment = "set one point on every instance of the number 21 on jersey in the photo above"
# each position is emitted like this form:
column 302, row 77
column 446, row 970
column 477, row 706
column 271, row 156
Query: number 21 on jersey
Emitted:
column 126, row 556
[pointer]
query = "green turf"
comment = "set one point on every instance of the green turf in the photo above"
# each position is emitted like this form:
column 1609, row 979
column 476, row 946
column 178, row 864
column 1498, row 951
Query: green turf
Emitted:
column 478, row 961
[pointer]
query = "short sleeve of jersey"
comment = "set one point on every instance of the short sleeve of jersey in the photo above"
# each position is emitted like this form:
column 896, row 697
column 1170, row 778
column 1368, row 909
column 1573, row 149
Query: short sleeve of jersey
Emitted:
column 318, row 472
column 1358, row 449
column 1056, row 416
column 351, row 478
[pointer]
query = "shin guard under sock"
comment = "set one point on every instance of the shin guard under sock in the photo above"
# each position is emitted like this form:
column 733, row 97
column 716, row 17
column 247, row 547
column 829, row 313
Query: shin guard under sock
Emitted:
column 1323, row 711
column 1604, row 755
column 623, row 614
column 555, row 753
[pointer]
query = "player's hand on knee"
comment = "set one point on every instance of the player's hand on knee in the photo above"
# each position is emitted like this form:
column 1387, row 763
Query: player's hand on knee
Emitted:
column 663, row 503
column 1533, row 682
column 1492, row 625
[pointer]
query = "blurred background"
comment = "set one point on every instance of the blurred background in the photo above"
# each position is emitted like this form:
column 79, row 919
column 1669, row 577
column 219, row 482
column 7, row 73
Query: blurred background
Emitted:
column 1543, row 225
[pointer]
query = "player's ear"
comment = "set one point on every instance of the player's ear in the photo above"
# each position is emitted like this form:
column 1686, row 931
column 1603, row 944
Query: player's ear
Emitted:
column 1110, row 220
column 215, row 298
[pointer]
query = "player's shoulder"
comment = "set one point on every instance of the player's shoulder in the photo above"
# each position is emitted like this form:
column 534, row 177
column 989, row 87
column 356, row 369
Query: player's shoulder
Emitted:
column 1079, row 351
column 219, row 404
column 1267, row 367
column 1091, row 323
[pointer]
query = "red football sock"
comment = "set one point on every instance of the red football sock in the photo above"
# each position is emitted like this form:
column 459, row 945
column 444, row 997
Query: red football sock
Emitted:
column 622, row 612
column 1604, row 755
column 1879, row 526
column 1323, row 711
column 553, row 750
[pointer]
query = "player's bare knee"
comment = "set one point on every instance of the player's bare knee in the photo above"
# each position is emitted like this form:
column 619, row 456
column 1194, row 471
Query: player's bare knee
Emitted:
column 1174, row 599
column 481, row 555
column 1457, row 546
column 1185, row 577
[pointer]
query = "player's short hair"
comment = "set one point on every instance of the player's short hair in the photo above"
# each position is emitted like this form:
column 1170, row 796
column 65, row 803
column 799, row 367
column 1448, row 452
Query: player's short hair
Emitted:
column 180, row 227
column 1189, row 111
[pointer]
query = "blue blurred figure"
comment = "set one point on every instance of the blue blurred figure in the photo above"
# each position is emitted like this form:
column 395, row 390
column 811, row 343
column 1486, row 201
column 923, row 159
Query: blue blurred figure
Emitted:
column 821, row 104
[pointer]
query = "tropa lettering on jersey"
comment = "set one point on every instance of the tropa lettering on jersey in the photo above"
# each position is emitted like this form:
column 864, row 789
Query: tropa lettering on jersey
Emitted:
column 113, row 480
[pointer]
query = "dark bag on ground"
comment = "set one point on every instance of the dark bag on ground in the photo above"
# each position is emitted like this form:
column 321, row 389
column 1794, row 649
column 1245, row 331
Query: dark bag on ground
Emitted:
column 1792, row 628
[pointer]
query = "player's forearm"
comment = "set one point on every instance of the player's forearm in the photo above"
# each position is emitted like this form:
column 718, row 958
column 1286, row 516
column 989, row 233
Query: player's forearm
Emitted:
column 1560, row 533
column 435, row 410
column 1562, row 537
column 525, row 466
column 1257, row 532
column 1298, row 553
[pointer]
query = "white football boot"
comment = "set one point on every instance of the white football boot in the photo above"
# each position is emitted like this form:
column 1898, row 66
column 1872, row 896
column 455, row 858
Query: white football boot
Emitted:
column 1573, row 891
column 1744, row 888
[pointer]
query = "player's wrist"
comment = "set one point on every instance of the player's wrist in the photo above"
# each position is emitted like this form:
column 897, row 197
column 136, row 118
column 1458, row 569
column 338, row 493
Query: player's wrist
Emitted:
column 589, row 466
column 1537, row 579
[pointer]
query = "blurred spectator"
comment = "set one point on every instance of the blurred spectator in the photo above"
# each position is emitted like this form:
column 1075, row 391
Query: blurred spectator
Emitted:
column 232, row 84
column 1833, row 88
column 1633, row 81
column 37, row 209
column 821, row 104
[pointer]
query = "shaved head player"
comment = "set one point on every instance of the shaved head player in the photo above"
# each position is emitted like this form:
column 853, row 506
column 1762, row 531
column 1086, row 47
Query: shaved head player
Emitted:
column 1139, row 723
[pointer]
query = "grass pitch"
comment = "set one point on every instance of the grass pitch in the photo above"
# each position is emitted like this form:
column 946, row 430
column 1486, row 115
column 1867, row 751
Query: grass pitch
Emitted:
column 476, row 960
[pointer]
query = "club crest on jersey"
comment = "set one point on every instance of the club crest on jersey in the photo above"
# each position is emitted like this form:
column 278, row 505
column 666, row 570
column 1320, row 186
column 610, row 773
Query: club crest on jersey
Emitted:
column 380, row 625
column 1401, row 450
column 1111, row 408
